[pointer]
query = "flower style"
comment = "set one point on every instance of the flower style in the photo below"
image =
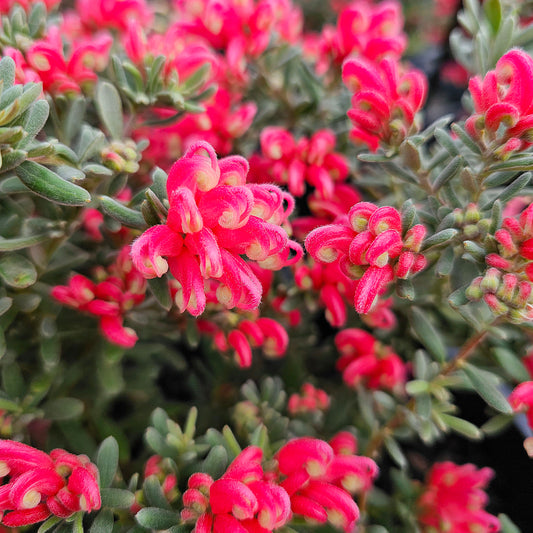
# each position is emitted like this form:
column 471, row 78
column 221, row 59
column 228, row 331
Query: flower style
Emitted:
column 454, row 498
column 503, row 118
column 241, row 501
column 368, row 247
column 215, row 217
column 506, row 286
column 39, row 485
column 293, row 163
column 365, row 360
column 385, row 102
column 121, row 287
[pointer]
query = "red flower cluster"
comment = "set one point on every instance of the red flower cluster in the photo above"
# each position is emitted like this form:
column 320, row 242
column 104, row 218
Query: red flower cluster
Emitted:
column 506, row 287
column 503, row 119
column 365, row 360
column 45, row 61
column 309, row 400
column 453, row 500
column 263, row 332
column 369, row 247
column 364, row 29
column 385, row 101
column 215, row 217
column 293, row 163
column 121, row 287
column 36, row 485
column 312, row 479
column 521, row 400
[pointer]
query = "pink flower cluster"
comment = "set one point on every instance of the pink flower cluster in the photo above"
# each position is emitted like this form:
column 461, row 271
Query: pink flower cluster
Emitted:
column 312, row 479
column 112, row 14
column 385, row 102
column 521, row 400
column 254, row 332
column 309, row 400
column 215, row 217
column 364, row 29
column 506, row 287
column 454, row 500
column 121, row 287
column 45, row 61
column 364, row 360
column 36, row 485
column 293, row 163
column 503, row 118
column 369, row 247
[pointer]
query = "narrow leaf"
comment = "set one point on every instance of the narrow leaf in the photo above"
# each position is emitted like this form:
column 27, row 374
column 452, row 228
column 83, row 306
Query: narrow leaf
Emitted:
column 107, row 461
column 428, row 335
column 125, row 215
column 461, row 426
column 17, row 271
column 157, row 519
column 109, row 109
column 117, row 498
column 103, row 523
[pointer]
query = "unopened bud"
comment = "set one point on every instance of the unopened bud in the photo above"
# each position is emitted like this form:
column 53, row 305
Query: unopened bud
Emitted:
column 491, row 280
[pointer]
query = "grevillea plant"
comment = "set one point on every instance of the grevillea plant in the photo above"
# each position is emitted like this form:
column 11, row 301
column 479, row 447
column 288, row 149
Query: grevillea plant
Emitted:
column 266, row 266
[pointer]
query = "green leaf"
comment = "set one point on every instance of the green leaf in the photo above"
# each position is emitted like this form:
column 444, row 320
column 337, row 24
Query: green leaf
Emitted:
column 18, row 243
column 125, row 215
column 195, row 80
column 34, row 122
column 49, row 185
column 17, row 271
column 486, row 389
column 13, row 381
column 439, row 238
column 444, row 139
column 49, row 524
column 461, row 426
column 5, row 304
column 103, row 523
column 154, row 493
column 63, row 408
column 496, row 424
column 395, row 452
column 511, row 364
column 159, row 288
column 13, row 159
column 109, row 108
column 428, row 335
column 7, row 73
column 493, row 11
column 107, row 461
column 509, row 192
column 117, row 498
column 507, row 526
column 448, row 172
column 216, row 462
column 157, row 519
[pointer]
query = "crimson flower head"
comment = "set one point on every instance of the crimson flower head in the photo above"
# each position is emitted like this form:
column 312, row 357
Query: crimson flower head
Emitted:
column 370, row 247
column 385, row 102
column 215, row 218
column 454, row 499
column 37, row 485
column 503, row 102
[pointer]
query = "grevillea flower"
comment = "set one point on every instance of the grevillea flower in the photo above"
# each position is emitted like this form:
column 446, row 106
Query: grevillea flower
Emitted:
column 365, row 360
column 319, row 480
column 454, row 499
column 37, row 485
column 369, row 247
column 506, row 286
column 242, row 500
column 121, row 287
column 114, row 14
column 521, row 400
column 364, row 29
column 386, row 100
column 309, row 400
column 295, row 163
column 214, row 218
column 503, row 118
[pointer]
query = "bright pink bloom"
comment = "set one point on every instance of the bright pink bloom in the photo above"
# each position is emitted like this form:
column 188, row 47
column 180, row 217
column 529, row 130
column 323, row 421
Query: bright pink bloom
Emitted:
column 295, row 163
column 6, row 5
column 40, row 485
column 214, row 218
column 309, row 400
column 121, row 288
column 114, row 14
column 369, row 248
column 385, row 102
column 365, row 360
column 454, row 498
column 521, row 400
column 504, row 98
